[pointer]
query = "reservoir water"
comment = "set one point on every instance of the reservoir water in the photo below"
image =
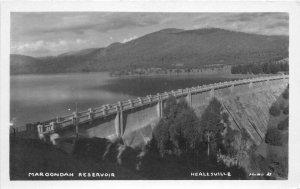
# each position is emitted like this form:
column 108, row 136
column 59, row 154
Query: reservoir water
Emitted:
column 41, row 97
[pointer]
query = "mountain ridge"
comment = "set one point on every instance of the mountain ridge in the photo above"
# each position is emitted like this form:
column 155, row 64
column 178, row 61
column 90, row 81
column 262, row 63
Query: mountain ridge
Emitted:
column 164, row 48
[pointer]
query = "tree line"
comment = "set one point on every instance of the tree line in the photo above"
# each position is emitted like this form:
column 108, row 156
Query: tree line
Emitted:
column 261, row 68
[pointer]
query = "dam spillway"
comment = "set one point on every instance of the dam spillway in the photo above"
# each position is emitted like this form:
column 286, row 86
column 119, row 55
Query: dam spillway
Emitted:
column 133, row 120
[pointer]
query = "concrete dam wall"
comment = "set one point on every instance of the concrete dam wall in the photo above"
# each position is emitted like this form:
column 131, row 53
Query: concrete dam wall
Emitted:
column 249, row 109
column 246, row 101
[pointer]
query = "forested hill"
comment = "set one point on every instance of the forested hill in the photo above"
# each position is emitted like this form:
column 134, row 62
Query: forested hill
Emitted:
column 166, row 48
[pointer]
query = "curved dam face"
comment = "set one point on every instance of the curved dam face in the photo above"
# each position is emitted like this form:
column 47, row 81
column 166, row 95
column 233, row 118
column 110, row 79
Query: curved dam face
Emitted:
column 249, row 109
column 247, row 103
column 247, row 106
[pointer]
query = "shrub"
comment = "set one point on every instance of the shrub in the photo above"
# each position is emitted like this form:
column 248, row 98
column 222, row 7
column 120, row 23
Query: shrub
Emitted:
column 283, row 125
column 279, row 164
column 211, row 117
column 286, row 110
column 258, row 163
column 274, row 137
column 229, row 141
column 285, row 94
column 214, row 122
column 225, row 117
column 274, row 110
column 178, row 131
column 281, row 105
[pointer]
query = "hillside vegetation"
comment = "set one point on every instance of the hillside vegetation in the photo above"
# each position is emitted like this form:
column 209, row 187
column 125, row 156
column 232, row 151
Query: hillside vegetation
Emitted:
column 168, row 48
column 262, row 68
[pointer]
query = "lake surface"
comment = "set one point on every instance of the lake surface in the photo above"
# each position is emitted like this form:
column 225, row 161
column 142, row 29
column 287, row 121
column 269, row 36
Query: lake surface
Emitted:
column 41, row 97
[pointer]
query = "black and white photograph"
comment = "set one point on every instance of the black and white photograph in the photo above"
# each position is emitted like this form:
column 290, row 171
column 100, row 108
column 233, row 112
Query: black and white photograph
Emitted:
column 143, row 95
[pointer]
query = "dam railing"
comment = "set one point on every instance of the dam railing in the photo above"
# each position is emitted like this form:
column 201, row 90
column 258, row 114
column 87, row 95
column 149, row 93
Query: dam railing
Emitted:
column 86, row 116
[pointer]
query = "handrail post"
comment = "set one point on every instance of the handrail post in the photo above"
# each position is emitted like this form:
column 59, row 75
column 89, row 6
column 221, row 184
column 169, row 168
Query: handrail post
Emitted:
column 130, row 103
column 105, row 110
column 58, row 119
column 52, row 126
column 159, row 106
column 75, row 122
column 149, row 98
column 167, row 94
column 189, row 97
column 74, row 117
column 91, row 114
column 173, row 93
column 40, row 129
column 140, row 100
column 212, row 92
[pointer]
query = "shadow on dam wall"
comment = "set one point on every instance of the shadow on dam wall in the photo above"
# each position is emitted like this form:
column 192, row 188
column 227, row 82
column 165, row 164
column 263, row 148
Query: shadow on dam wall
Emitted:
column 249, row 109
column 143, row 120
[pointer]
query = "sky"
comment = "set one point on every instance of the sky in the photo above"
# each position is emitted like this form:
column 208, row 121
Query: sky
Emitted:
column 53, row 33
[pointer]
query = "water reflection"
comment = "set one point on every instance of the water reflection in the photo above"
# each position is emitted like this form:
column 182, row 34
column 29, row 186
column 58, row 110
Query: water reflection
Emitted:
column 143, row 86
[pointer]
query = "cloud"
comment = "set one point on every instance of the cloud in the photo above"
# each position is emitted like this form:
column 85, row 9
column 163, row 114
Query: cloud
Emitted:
column 98, row 22
column 42, row 33
column 75, row 19
column 129, row 39
column 259, row 23
column 278, row 25
column 40, row 47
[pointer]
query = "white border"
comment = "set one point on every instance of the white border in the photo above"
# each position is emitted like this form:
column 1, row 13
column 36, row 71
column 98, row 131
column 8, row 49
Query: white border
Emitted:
column 293, row 8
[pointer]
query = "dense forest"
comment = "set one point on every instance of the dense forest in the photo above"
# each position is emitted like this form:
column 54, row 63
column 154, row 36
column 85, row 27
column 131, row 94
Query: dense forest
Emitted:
column 261, row 68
